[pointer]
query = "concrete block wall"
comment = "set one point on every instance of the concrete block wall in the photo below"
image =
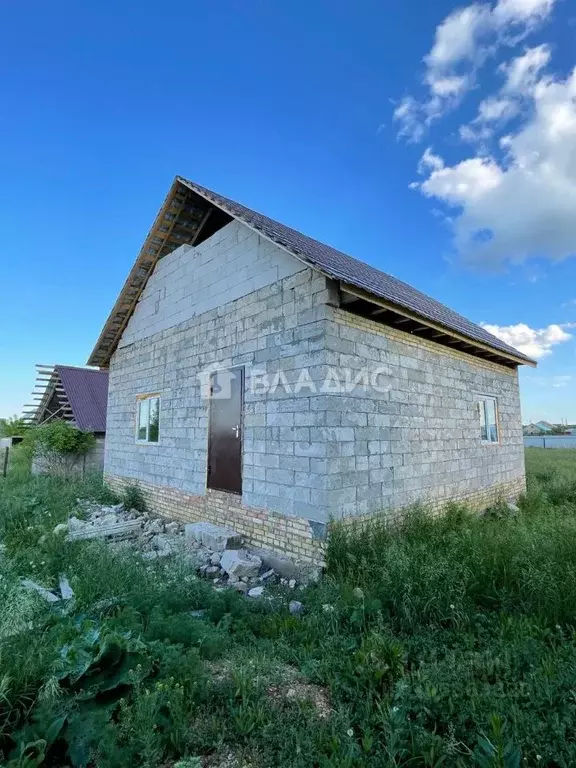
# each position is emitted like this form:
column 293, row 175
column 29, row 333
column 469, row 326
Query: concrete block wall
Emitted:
column 276, row 330
column 419, row 439
column 234, row 262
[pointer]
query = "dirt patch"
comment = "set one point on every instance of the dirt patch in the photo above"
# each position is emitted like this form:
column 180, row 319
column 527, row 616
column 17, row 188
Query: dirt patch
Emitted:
column 229, row 760
column 316, row 695
column 293, row 688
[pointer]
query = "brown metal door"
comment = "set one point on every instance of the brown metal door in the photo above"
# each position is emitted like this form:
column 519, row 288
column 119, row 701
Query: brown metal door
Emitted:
column 225, row 430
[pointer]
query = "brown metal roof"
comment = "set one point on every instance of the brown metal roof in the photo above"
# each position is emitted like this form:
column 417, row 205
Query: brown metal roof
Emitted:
column 87, row 393
column 188, row 216
column 69, row 393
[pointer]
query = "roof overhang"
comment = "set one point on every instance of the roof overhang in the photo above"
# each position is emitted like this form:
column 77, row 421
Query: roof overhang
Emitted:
column 185, row 218
column 372, row 307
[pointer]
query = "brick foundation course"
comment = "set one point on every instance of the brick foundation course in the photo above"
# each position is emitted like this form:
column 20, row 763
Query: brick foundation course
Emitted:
column 295, row 537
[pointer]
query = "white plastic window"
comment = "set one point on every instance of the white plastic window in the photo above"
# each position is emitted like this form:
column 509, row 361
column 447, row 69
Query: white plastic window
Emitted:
column 488, row 411
column 148, row 419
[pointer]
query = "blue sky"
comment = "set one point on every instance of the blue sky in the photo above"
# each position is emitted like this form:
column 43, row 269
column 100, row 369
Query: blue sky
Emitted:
column 436, row 141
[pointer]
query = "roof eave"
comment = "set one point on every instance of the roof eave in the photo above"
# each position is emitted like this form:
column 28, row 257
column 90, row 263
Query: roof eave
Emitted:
column 161, row 239
column 497, row 352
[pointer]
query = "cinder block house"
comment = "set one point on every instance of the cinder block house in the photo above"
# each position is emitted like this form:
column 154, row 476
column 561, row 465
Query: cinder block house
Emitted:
column 263, row 380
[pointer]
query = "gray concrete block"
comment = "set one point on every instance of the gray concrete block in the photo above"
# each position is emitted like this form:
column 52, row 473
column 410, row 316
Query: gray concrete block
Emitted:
column 214, row 537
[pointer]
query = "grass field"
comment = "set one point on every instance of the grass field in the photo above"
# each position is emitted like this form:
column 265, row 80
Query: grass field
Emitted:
column 447, row 642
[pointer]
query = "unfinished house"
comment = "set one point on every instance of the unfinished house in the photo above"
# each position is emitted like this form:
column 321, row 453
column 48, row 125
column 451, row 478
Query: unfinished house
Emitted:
column 265, row 381
column 78, row 396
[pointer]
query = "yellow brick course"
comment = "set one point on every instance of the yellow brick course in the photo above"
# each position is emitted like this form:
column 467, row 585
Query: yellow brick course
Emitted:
column 269, row 530
column 273, row 531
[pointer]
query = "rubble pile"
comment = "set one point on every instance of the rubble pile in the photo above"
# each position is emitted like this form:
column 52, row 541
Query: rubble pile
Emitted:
column 215, row 552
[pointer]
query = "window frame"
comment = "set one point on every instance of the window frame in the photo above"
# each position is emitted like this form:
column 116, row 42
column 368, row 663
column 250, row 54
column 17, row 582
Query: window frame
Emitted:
column 482, row 403
column 147, row 398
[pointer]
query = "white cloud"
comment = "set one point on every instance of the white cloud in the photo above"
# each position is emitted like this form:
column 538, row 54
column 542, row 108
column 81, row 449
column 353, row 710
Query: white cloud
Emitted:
column 560, row 381
column 494, row 109
column 523, row 71
column 430, row 161
column 535, row 343
column 407, row 113
column 457, row 36
column 462, row 42
column 470, row 180
column 524, row 206
column 522, row 10
column 521, row 75
column 448, row 86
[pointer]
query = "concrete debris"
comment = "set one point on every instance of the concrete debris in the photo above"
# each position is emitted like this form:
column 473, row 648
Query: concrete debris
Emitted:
column 267, row 574
column 163, row 544
column 172, row 528
column 295, row 607
column 154, row 526
column 50, row 597
column 104, row 530
column 303, row 572
column 255, row 592
column 214, row 537
column 60, row 529
column 74, row 524
column 239, row 563
column 65, row 589
column 215, row 552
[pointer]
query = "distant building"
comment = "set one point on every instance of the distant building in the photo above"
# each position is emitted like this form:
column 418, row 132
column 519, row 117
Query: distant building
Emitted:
column 78, row 396
column 545, row 427
column 532, row 429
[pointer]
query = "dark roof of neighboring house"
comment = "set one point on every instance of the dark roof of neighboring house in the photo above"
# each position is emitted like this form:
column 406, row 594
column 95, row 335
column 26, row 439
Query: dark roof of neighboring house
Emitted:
column 87, row 392
column 184, row 218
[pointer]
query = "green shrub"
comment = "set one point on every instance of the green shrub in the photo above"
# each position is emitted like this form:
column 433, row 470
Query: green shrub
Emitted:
column 57, row 446
column 133, row 498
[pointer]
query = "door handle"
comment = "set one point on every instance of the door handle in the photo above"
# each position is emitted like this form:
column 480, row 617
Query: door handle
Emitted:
column 236, row 430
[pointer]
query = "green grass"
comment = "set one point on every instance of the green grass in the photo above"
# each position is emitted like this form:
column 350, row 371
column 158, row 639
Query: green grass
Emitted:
column 447, row 641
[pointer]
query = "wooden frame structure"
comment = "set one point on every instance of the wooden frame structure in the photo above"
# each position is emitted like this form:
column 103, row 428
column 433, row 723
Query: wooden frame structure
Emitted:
column 51, row 399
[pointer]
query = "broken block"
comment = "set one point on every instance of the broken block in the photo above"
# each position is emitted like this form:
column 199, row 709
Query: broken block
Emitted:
column 240, row 564
column 214, row 537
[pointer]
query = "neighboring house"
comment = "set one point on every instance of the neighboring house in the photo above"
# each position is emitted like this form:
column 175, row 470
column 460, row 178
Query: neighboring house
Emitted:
column 78, row 396
column 545, row 427
column 232, row 350
column 533, row 429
